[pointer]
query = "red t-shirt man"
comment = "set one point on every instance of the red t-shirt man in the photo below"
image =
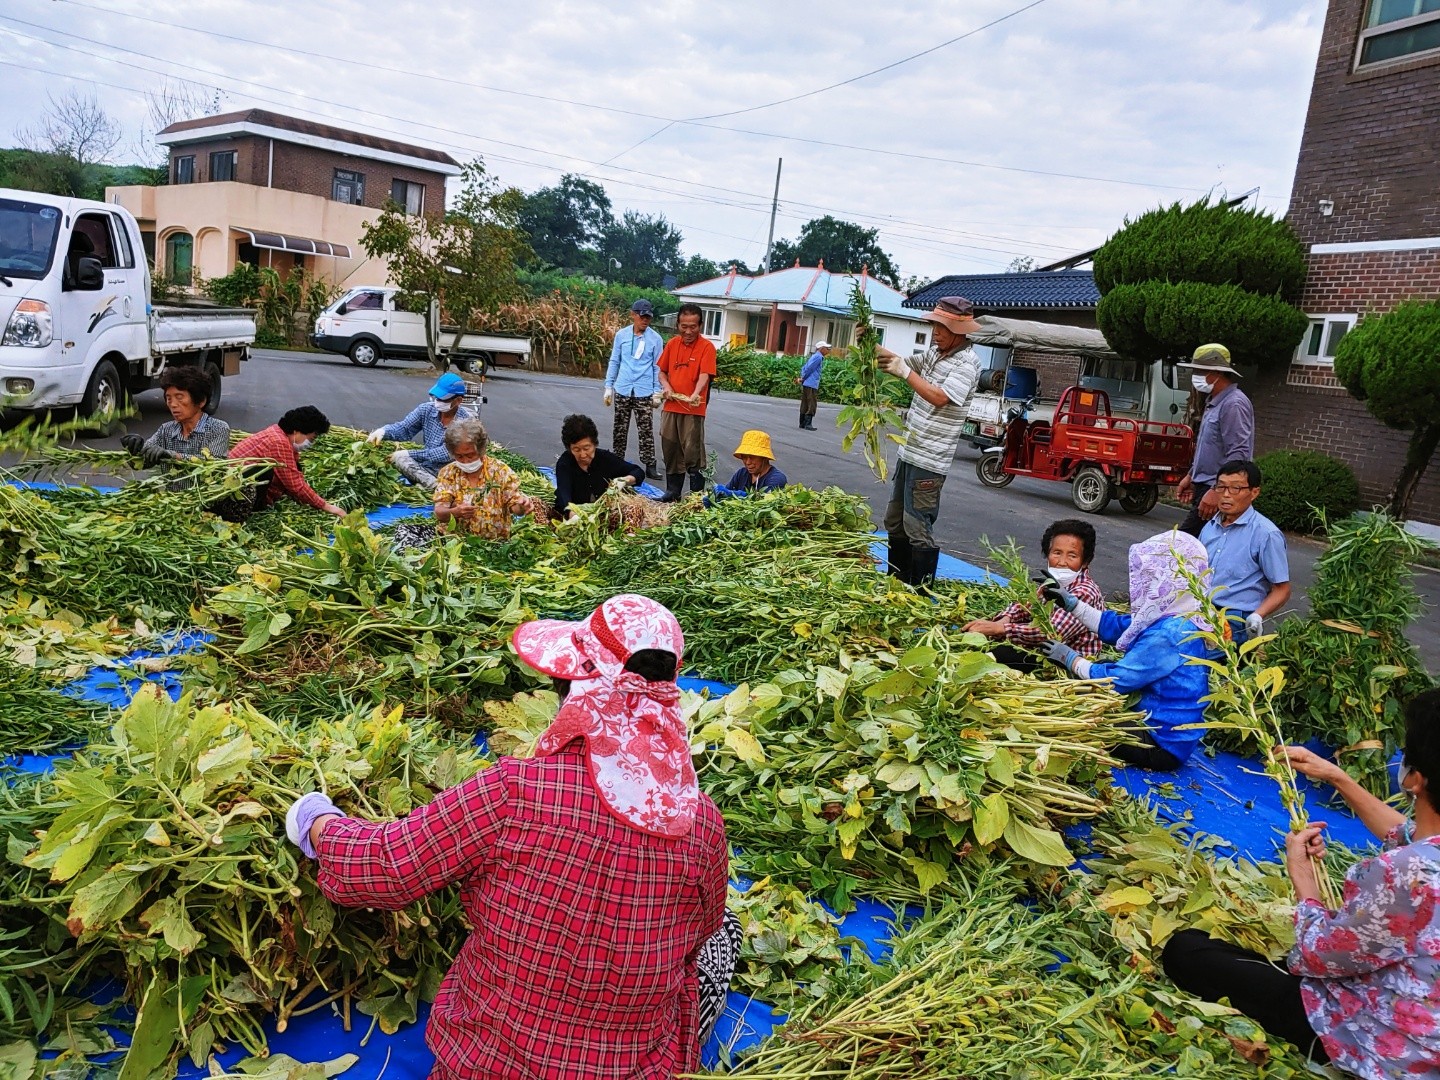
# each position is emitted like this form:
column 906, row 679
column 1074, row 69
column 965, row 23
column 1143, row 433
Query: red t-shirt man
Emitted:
column 687, row 364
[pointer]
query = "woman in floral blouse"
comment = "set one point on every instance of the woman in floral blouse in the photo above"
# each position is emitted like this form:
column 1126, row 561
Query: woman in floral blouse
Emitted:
column 1363, row 986
column 475, row 494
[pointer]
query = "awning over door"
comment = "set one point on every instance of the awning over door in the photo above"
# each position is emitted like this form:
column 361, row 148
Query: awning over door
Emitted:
column 273, row 241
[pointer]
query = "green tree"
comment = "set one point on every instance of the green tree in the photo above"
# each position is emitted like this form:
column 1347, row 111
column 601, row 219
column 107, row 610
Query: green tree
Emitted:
column 464, row 259
column 698, row 268
column 1392, row 363
column 844, row 246
column 1180, row 276
column 646, row 247
column 565, row 224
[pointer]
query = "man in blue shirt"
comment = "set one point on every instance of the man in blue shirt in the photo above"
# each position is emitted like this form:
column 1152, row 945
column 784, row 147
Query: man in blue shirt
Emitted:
column 632, row 384
column 809, row 381
column 1227, row 432
column 1248, row 564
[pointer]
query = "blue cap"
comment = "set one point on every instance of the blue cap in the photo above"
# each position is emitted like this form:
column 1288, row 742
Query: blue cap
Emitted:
column 642, row 307
column 449, row 385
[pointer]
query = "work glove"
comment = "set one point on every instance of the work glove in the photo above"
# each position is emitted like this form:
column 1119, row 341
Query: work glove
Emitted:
column 657, row 399
column 152, row 455
column 609, row 397
column 1062, row 654
column 1058, row 595
column 895, row 366
column 133, row 444
column 1254, row 624
column 376, row 437
column 302, row 815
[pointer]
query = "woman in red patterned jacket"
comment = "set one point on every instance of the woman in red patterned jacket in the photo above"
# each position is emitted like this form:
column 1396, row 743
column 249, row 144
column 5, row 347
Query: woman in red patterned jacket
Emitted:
column 594, row 872
column 1069, row 548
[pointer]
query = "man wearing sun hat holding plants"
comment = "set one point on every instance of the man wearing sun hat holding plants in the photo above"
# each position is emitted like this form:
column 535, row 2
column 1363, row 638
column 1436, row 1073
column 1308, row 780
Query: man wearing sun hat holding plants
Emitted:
column 426, row 424
column 943, row 378
column 1227, row 432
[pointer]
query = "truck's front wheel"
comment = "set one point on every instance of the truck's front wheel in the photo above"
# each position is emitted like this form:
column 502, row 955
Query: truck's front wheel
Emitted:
column 215, row 375
column 365, row 353
column 105, row 394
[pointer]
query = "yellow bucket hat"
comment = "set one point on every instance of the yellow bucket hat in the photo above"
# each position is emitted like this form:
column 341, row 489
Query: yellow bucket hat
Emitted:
column 755, row 444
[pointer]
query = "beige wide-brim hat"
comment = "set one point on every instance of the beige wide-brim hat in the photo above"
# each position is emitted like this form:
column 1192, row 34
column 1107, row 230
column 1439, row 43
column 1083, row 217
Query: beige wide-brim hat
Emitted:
column 1212, row 357
column 955, row 313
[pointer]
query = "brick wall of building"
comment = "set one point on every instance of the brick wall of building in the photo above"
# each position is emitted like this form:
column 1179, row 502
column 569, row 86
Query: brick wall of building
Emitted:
column 309, row 170
column 1056, row 371
column 1372, row 138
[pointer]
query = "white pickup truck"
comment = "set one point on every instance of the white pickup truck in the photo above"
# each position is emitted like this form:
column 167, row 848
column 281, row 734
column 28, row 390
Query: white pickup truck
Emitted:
column 367, row 325
column 78, row 325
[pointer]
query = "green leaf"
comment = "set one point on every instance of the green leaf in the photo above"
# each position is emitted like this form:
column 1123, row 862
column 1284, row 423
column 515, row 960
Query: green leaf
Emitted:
column 1044, row 846
column 168, row 918
column 104, row 901
column 992, row 816
column 153, row 1038
column 17, row 1060
column 907, row 778
column 1001, row 767
column 747, row 748
column 927, row 874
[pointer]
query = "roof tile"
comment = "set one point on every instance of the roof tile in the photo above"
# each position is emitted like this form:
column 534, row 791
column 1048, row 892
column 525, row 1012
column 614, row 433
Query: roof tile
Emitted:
column 1032, row 289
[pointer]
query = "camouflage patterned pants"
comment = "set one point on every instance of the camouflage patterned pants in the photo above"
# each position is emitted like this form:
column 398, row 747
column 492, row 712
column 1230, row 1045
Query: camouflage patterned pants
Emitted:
column 644, row 427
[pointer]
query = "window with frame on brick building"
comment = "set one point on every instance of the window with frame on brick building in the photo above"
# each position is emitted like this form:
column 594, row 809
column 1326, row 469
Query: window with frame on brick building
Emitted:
column 1322, row 337
column 348, row 186
column 1398, row 29
column 184, row 170
column 222, row 165
column 409, row 196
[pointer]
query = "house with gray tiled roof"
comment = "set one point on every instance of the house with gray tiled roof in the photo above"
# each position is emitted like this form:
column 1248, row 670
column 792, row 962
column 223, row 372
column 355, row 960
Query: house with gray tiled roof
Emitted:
column 1055, row 296
column 788, row 311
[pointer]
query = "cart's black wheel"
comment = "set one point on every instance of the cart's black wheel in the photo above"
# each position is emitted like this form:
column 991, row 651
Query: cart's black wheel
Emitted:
column 1139, row 498
column 990, row 469
column 1090, row 490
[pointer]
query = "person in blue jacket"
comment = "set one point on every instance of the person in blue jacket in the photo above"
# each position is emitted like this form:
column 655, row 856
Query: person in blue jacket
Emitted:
column 757, row 470
column 426, row 424
column 632, row 384
column 809, row 383
column 1159, row 643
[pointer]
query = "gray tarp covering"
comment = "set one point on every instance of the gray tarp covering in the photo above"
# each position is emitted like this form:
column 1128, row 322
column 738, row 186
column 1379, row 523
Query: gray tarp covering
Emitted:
column 1042, row 337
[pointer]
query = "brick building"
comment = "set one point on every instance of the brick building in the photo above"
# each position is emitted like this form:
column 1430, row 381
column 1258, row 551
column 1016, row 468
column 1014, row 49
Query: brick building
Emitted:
column 1366, row 203
column 273, row 190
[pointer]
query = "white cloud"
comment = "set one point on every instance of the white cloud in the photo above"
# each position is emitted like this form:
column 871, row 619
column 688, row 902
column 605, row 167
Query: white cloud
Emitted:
column 1192, row 95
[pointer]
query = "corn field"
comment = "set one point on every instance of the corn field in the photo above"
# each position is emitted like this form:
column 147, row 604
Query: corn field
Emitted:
column 566, row 335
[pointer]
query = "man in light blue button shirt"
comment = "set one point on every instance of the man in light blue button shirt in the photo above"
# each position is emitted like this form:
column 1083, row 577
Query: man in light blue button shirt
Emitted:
column 1248, row 564
column 632, row 384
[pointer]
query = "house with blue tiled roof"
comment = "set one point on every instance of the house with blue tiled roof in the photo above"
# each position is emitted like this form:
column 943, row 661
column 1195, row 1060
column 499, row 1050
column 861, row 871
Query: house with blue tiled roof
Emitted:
column 1066, row 296
column 788, row 311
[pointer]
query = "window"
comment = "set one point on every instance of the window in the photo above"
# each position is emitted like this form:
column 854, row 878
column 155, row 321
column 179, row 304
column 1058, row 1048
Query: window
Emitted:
column 1321, row 337
column 125, row 254
column 757, row 330
column 879, row 335
column 409, row 197
column 837, row 333
column 222, row 165
column 1395, row 29
column 92, row 237
column 921, row 337
column 185, row 169
column 180, row 257
column 348, row 187
column 713, row 319
column 371, row 301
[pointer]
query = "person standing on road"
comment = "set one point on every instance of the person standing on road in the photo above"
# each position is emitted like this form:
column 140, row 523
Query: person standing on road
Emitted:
column 1247, row 553
column 809, row 382
column 943, row 379
column 687, row 364
column 632, row 384
column 428, row 420
column 1227, row 432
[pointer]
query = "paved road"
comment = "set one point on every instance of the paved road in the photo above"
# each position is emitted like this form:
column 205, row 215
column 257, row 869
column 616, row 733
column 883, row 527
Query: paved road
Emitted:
column 525, row 409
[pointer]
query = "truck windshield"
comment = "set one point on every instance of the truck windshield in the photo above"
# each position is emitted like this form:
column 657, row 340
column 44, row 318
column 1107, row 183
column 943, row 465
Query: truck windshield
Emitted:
column 27, row 238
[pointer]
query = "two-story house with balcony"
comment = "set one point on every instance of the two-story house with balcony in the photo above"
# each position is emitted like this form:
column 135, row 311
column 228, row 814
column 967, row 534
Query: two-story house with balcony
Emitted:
column 1366, row 204
column 271, row 190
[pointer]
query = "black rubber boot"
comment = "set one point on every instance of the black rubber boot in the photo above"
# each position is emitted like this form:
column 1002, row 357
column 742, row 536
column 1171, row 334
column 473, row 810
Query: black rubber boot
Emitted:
column 653, row 473
column 899, row 557
column 674, row 487
column 697, row 482
column 923, row 563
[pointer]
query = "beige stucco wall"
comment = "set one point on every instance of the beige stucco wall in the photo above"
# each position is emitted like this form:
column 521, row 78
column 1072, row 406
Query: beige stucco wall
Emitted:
column 210, row 213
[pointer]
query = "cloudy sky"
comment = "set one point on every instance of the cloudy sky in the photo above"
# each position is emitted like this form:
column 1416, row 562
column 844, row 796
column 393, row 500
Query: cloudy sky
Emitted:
column 1033, row 136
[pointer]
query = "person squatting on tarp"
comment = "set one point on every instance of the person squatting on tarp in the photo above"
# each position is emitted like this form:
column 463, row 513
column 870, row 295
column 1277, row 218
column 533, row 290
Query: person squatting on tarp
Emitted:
column 426, row 424
column 594, row 872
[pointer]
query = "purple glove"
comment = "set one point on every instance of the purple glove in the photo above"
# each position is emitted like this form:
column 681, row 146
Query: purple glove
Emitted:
column 301, row 816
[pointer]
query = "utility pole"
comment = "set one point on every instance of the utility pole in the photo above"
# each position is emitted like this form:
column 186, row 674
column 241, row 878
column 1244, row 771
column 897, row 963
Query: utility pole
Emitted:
column 774, row 205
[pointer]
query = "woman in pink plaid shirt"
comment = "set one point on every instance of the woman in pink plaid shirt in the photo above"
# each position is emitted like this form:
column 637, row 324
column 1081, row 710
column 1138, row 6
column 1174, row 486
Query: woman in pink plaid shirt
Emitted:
column 594, row 872
column 1069, row 548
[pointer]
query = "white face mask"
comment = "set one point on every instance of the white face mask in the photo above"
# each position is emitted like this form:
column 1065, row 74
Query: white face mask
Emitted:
column 470, row 466
column 305, row 445
column 442, row 406
column 1404, row 775
column 1199, row 382
column 1063, row 575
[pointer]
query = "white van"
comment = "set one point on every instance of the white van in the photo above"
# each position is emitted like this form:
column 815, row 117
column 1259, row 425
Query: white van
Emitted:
column 78, row 325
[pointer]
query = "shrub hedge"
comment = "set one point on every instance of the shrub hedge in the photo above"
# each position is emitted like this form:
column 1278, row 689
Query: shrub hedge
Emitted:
column 1295, row 483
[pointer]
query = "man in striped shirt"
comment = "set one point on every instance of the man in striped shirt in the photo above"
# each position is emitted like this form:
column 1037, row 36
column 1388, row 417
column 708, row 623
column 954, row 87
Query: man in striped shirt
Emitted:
column 943, row 380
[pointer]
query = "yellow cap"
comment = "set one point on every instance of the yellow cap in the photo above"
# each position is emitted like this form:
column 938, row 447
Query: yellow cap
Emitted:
column 755, row 444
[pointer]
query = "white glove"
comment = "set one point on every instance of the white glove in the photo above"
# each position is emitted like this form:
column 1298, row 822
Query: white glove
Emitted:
column 657, row 399
column 1254, row 624
column 376, row 437
column 895, row 366
column 609, row 397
